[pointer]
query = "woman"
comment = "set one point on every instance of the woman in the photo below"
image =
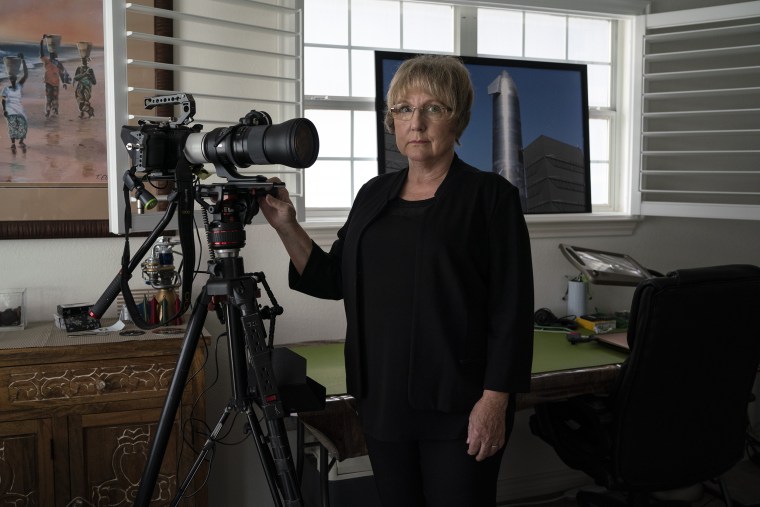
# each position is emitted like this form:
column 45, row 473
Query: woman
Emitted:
column 13, row 109
column 435, row 271
column 84, row 77
column 55, row 75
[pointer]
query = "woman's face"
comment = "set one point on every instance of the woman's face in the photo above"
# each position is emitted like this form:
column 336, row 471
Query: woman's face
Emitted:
column 423, row 139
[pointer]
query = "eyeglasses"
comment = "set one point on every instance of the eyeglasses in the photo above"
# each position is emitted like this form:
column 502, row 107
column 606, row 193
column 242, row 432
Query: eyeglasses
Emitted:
column 433, row 112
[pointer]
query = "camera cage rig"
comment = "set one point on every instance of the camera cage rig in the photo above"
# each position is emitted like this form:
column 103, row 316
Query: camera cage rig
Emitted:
column 154, row 146
column 253, row 140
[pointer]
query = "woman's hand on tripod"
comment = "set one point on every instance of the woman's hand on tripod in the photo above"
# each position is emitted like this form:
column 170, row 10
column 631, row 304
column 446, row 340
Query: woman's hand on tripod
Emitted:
column 281, row 215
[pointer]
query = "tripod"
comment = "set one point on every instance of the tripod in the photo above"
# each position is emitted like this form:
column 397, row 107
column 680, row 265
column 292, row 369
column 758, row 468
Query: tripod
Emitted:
column 252, row 374
column 246, row 347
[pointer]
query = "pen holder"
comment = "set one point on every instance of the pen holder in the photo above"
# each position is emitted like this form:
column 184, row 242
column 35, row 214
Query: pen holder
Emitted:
column 577, row 295
column 12, row 309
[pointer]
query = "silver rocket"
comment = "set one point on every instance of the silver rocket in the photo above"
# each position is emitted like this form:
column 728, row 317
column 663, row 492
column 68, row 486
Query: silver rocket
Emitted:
column 507, row 133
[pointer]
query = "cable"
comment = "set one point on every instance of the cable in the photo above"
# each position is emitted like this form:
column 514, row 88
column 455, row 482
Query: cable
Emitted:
column 546, row 318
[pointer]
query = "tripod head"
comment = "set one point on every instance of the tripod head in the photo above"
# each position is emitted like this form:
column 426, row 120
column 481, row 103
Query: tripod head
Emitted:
column 232, row 206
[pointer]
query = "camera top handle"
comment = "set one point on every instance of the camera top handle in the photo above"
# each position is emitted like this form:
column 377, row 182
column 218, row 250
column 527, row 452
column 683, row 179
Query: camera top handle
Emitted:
column 184, row 100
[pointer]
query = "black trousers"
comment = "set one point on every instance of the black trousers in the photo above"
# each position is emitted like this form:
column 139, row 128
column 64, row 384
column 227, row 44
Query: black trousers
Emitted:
column 432, row 473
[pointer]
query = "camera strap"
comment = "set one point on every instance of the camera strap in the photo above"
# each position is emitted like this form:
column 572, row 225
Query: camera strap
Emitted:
column 126, row 274
column 184, row 179
column 185, row 196
column 127, row 264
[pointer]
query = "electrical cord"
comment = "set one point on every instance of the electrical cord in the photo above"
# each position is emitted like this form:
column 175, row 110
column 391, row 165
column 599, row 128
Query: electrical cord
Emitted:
column 192, row 422
column 546, row 318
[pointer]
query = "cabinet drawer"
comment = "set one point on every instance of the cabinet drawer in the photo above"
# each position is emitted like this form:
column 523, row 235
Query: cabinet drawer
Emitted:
column 87, row 382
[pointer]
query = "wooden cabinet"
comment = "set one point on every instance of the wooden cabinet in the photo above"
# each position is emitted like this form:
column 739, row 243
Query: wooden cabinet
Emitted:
column 25, row 462
column 77, row 415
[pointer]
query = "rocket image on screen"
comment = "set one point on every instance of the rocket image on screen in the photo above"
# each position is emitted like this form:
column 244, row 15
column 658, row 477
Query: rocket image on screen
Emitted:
column 548, row 173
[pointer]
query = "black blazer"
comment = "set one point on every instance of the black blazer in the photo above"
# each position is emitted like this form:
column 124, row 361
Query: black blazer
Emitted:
column 473, row 301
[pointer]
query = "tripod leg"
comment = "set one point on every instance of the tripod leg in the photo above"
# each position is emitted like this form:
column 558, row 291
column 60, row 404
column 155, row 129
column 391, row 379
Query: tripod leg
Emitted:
column 172, row 401
column 279, row 458
column 202, row 454
column 265, row 456
column 284, row 462
column 239, row 374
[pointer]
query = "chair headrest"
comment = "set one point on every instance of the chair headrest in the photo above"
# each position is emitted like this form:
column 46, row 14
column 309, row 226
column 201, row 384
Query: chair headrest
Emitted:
column 715, row 273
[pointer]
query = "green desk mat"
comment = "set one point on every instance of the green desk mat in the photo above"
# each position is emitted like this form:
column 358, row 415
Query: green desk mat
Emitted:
column 324, row 364
column 551, row 352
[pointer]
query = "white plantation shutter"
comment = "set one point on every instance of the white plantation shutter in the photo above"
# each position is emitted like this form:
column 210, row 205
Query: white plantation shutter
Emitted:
column 700, row 113
column 233, row 56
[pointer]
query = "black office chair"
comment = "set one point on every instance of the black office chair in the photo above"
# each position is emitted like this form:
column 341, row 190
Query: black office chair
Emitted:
column 678, row 414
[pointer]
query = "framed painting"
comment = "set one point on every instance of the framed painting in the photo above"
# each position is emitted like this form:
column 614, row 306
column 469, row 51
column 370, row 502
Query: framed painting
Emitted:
column 53, row 146
column 53, row 176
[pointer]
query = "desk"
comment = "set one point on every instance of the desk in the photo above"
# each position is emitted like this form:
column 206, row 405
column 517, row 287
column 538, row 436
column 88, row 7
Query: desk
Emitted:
column 559, row 370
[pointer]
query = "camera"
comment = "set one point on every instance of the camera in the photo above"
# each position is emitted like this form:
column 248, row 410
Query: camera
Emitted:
column 155, row 148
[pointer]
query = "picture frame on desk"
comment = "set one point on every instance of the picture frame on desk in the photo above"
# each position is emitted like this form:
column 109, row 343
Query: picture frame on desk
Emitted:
column 57, row 185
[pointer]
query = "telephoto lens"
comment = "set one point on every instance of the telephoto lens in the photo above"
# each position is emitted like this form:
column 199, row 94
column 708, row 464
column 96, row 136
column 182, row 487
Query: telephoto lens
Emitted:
column 294, row 143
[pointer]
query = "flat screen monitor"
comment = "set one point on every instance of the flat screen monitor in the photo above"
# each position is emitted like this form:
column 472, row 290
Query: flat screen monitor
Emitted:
column 529, row 123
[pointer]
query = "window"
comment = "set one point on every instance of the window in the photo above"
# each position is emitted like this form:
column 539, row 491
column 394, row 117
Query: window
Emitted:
column 339, row 86
column 338, row 77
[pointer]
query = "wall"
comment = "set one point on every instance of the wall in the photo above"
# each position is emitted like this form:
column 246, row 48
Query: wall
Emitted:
column 75, row 270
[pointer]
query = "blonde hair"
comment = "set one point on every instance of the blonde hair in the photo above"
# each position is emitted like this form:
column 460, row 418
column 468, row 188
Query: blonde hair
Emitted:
column 444, row 77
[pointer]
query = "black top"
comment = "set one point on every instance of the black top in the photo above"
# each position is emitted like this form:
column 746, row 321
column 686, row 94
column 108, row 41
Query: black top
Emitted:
column 471, row 295
column 386, row 261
